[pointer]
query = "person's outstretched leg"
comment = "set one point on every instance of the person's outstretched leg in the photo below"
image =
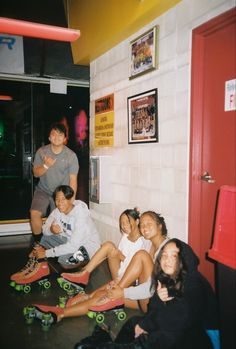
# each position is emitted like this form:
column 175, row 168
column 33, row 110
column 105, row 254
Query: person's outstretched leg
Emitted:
column 104, row 252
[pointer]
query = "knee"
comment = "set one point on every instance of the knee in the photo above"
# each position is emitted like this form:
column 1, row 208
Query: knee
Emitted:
column 108, row 245
column 143, row 255
column 35, row 214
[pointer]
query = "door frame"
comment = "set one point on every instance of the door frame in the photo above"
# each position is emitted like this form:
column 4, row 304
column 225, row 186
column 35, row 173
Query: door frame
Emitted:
column 196, row 121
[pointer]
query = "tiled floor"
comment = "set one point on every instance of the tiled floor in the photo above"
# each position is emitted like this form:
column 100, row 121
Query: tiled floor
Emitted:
column 14, row 332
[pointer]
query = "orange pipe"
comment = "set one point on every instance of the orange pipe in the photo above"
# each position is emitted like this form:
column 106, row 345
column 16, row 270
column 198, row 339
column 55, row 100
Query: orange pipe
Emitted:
column 37, row 30
column 5, row 98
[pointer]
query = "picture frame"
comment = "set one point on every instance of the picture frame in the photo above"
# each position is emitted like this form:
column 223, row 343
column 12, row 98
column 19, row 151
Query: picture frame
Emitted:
column 143, row 117
column 143, row 53
column 94, row 179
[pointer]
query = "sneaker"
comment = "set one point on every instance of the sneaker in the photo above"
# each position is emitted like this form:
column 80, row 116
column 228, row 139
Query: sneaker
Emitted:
column 79, row 298
column 78, row 278
column 105, row 304
column 29, row 265
column 36, row 273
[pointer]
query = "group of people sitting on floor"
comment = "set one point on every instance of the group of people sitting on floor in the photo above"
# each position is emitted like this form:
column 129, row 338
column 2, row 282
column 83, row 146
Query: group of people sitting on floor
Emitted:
column 149, row 271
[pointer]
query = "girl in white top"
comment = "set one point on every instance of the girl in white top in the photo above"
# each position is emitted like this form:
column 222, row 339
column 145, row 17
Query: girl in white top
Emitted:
column 118, row 257
column 152, row 226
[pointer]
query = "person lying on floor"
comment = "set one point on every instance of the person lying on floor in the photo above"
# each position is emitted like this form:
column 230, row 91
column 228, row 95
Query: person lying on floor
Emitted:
column 153, row 228
column 182, row 308
column 68, row 234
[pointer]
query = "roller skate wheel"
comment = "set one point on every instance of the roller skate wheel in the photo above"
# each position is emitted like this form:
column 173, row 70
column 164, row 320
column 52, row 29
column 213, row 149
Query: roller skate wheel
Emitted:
column 47, row 285
column 100, row 318
column 18, row 287
column 121, row 315
column 91, row 314
column 12, row 283
column 27, row 288
column 29, row 314
column 46, row 321
column 62, row 301
column 66, row 286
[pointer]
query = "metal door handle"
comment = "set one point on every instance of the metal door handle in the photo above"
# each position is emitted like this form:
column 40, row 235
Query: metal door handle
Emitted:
column 207, row 178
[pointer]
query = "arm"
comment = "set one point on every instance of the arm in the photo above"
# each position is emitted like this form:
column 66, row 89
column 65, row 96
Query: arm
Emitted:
column 42, row 163
column 51, row 225
column 73, row 183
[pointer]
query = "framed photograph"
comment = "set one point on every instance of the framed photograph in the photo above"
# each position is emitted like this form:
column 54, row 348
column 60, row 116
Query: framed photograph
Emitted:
column 143, row 117
column 94, row 179
column 143, row 53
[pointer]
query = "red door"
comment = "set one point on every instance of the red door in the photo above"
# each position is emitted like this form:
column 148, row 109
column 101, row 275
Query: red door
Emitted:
column 213, row 129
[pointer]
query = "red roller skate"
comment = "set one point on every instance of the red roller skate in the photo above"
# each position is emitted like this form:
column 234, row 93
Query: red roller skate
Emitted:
column 48, row 315
column 74, row 281
column 38, row 272
column 29, row 265
column 106, row 304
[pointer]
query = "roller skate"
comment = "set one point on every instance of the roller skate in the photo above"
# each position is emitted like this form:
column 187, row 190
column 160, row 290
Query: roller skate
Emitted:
column 29, row 265
column 74, row 281
column 107, row 305
column 48, row 315
column 38, row 273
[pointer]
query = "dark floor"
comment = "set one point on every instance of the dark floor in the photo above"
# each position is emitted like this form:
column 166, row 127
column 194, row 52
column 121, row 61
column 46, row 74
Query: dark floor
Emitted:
column 14, row 332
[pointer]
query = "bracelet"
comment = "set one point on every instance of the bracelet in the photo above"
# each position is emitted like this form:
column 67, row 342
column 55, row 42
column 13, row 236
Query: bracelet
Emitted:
column 45, row 166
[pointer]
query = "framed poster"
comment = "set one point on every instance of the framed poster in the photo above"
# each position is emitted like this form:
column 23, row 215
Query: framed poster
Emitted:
column 100, row 179
column 94, row 179
column 143, row 117
column 143, row 53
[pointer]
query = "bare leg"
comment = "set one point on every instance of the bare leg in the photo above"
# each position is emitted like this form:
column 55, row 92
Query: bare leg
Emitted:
column 36, row 222
column 140, row 268
column 104, row 252
column 83, row 307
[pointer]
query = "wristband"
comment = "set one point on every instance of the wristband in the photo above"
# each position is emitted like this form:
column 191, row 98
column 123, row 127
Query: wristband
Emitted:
column 45, row 166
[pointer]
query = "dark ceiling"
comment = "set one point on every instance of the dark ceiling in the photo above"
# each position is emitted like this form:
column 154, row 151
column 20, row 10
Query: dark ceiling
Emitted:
column 45, row 58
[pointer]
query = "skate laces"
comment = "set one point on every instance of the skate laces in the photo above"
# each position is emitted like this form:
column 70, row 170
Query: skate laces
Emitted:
column 28, row 265
column 32, row 267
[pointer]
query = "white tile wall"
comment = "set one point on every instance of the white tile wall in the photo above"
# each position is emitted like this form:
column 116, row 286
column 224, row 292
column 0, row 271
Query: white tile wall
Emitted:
column 152, row 176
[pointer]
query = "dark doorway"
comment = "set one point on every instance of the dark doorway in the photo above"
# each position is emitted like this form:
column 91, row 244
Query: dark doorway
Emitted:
column 24, row 123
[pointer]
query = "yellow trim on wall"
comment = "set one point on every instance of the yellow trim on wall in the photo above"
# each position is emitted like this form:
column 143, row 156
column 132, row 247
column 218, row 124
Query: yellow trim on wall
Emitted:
column 105, row 23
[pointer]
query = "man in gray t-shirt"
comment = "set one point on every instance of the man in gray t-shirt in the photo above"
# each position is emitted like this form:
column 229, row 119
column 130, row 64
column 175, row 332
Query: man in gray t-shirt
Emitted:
column 54, row 164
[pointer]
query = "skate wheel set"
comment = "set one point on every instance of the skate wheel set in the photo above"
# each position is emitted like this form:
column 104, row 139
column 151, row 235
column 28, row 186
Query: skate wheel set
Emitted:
column 30, row 313
column 71, row 288
column 99, row 316
column 26, row 288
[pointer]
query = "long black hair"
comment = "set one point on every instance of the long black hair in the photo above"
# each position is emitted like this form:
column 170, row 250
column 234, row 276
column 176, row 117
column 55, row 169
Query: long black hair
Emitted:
column 175, row 283
column 129, row 212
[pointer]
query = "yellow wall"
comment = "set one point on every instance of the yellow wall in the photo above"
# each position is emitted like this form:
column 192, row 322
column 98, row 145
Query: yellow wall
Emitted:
column 105, row 23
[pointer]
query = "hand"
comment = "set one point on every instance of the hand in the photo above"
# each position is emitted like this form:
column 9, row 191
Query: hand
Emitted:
column 48, row 161
column 138, row 331
column 55, row 228
column 39, row 252
column 163, row 293
column 115, row 292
